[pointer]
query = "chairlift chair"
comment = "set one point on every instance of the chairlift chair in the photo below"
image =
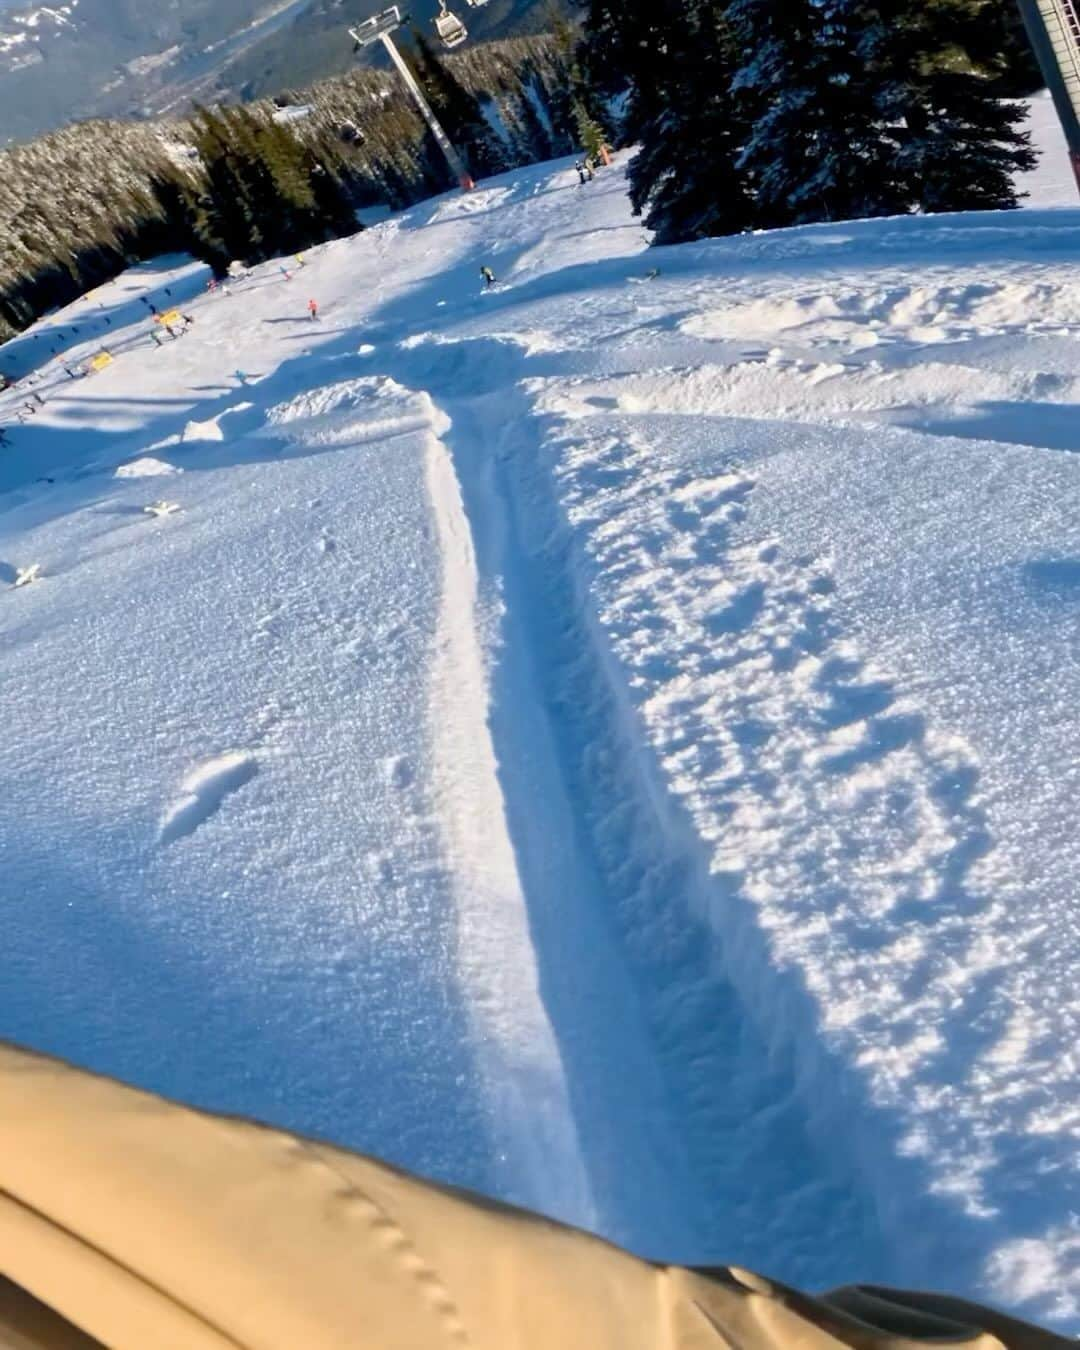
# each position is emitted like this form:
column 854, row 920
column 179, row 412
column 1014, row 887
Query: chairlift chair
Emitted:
column 449, row 27
column 364, row 34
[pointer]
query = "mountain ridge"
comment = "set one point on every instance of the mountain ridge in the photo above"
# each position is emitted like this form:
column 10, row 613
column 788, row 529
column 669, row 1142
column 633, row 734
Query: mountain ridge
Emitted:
column 134, row 58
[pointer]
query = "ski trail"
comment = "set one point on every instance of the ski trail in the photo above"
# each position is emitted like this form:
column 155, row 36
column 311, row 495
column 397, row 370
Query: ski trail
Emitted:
column 750, row 797
column 617, row 1097
column 689, row 1127
column 538, row 1155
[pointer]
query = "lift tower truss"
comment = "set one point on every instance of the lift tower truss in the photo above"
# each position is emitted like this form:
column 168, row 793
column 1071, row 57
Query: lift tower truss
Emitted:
column 1054, row 29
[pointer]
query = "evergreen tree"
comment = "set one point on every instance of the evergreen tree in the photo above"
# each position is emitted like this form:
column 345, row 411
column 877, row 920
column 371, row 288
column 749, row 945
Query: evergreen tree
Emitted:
column 686, row 174
column 942, row 74
column 624, row 40
column 221, row 222
column 265, row 192
column 590, row 134
column 817, row 147
column 579, row 110
column 458, row 110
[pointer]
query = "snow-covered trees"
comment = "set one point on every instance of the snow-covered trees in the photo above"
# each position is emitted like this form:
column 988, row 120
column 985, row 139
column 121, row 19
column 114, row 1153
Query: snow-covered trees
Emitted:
column 264, row 191
column 814, row 148
column 943, row 73
column 626, row 42
column 686, row 179
column 777, row 112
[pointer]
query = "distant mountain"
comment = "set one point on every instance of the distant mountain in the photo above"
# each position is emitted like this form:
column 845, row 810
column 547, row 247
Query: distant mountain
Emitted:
column 311, row 47
column 88, row 58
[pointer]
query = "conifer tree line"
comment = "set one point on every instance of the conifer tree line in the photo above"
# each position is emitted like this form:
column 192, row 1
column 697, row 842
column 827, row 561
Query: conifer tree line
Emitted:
column 265, row 179
column 766, row 113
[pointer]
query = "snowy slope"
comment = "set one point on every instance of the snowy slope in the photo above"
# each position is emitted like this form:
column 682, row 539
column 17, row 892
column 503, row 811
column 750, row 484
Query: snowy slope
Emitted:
column 609, row 740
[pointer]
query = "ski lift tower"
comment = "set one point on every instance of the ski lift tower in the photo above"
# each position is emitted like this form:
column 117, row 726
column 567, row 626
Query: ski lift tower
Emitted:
column 1054, row 29
column 378, row 29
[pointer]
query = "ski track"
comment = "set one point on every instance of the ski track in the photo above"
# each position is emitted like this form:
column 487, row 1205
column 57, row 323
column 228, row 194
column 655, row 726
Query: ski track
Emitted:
column 696, row 922
column 534, row 1135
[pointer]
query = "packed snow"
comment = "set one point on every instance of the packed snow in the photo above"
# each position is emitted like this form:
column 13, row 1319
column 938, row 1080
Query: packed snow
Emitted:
column 607, row 739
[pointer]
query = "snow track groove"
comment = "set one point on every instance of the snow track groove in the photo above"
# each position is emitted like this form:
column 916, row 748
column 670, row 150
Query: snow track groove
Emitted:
column 692, row 1131
column 533, row 1133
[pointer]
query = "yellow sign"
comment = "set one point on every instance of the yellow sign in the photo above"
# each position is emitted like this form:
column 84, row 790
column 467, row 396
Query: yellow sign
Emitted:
column 100, row 361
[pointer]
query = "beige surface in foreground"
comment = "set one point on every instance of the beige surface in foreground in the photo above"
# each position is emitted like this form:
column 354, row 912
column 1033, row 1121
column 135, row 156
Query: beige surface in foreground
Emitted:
column 149, row 1226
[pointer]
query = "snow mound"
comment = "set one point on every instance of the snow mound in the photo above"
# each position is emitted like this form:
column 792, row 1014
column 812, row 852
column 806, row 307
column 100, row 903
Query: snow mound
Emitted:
column 917, row 314
column 203, row 791
column 146, row 466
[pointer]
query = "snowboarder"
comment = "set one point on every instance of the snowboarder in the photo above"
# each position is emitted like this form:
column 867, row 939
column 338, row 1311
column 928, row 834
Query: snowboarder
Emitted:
column 313, row 308
column 489, row 277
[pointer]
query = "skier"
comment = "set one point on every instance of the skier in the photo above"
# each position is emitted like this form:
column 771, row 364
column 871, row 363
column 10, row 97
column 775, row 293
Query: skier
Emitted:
column 300, row 260
column 313, row 308
column 587, row 164
column 285, row 272
column 489, row 277
column 158, row 339
column 241, row 376
column 580, row 173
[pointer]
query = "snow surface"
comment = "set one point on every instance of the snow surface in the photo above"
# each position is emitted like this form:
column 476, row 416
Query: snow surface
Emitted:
column 608, row 741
